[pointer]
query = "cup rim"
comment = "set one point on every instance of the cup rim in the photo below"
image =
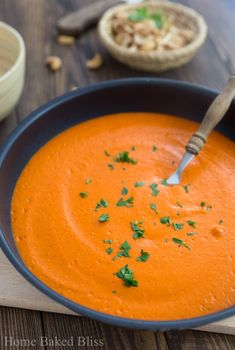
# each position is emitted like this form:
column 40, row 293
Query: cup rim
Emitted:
column 21, row 53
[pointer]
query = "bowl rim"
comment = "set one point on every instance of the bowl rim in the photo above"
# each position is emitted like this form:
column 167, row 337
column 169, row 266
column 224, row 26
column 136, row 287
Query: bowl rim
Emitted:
column 187, row 11
column 28, row 275
column 20, row 55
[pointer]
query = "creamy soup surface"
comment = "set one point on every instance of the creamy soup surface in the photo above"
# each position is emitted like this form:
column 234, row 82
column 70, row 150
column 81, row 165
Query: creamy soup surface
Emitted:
column 94, row 220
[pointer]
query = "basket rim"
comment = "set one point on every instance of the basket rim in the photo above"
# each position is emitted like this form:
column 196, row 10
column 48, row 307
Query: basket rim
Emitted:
column 109, row 42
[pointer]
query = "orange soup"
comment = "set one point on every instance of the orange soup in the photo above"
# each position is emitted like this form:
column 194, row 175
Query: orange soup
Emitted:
column 94, row 219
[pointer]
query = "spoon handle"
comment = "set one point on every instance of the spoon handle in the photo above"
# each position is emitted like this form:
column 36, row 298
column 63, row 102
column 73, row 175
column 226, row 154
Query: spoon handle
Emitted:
column 213, row 116
column 87, row 16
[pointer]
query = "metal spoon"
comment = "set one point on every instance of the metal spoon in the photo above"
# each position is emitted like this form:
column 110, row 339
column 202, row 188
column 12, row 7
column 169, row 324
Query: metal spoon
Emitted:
column 213, row 116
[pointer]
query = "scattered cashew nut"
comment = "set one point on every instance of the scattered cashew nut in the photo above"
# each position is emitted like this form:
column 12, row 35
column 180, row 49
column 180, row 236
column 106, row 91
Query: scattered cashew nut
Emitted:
column 65, row 39
column 95, row 62
column 54, row 63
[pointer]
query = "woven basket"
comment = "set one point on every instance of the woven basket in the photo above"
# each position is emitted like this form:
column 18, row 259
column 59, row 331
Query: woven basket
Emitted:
column 156, row 61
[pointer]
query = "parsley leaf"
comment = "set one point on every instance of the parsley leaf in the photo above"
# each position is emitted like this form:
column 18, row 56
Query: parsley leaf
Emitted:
column 154, row 189
column 124, row 190
column 202, row 204
column 88, row 181
column 165, row 220
column 158, row 19
column 104, row 217
column 154, row 149
column 111, row 167
column 191, row 233
column 102, row 203
column 109, row 250
column 191, row 223
column 220, row 222
column 108, row 241
column 125, row 203
column 186, row 188
column 139, row 14
column 142, row 13
column 180, row 243
column 178, row 226
column 124, row 250
column 106, row 153
column 164, row 182
column 127, row 275
column 123, row 157
column 153, row 207
column 133, row 148
column 143, row 256
column 139, row 184
column 83, row 194
column 136, row 228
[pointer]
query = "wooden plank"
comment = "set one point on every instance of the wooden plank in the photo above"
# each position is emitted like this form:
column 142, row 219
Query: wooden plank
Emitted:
column 195, row 340
column 86, row 330
column 20, row 329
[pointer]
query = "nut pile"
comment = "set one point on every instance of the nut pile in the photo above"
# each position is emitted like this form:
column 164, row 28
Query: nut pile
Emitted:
column 141, row 30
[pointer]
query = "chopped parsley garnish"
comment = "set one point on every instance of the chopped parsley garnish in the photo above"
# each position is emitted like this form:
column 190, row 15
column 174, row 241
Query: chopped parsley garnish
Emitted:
column 111, row 167
column 153, row 207
column 142, row 13
column 123, row 157
column 104, row 217
column 202, row 204
column 154, row 149
column 179, row 205
column 186, row 188
column 191, row 233
column 154, row 189
column 124, row 190
column 191, row 223
column 220, row 222
column 125, row 203
column 102, row 203
column 165, row 220
column 164, row 182
column 83, row 194
column 88, row 181
column 139, row 14
column 109, row 250
column 159, row 19
column 143, row 256
column 133, row 148
column 136, row 228
column 124, row 250
column 127, row 275
column 178, row 226
column 108, row 241
column 180, row 243
column 106, row 153
column 114, row 291
column 139, row 184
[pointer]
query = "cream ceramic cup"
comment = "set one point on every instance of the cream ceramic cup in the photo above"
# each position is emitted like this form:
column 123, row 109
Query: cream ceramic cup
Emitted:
column 12, row 68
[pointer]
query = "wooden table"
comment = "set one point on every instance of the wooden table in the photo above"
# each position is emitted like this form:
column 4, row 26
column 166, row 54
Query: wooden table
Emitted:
column 36, row 20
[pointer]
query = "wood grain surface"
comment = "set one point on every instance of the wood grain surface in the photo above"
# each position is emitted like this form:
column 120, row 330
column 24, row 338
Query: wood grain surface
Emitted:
column 36, row 20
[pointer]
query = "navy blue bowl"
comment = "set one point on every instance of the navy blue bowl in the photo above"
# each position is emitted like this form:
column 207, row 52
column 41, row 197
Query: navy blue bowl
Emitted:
column 127, row 95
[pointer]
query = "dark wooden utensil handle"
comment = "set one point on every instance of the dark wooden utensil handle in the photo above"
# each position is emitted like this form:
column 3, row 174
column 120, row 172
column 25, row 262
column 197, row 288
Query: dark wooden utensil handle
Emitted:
column 213, row 116
column 77, row 22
